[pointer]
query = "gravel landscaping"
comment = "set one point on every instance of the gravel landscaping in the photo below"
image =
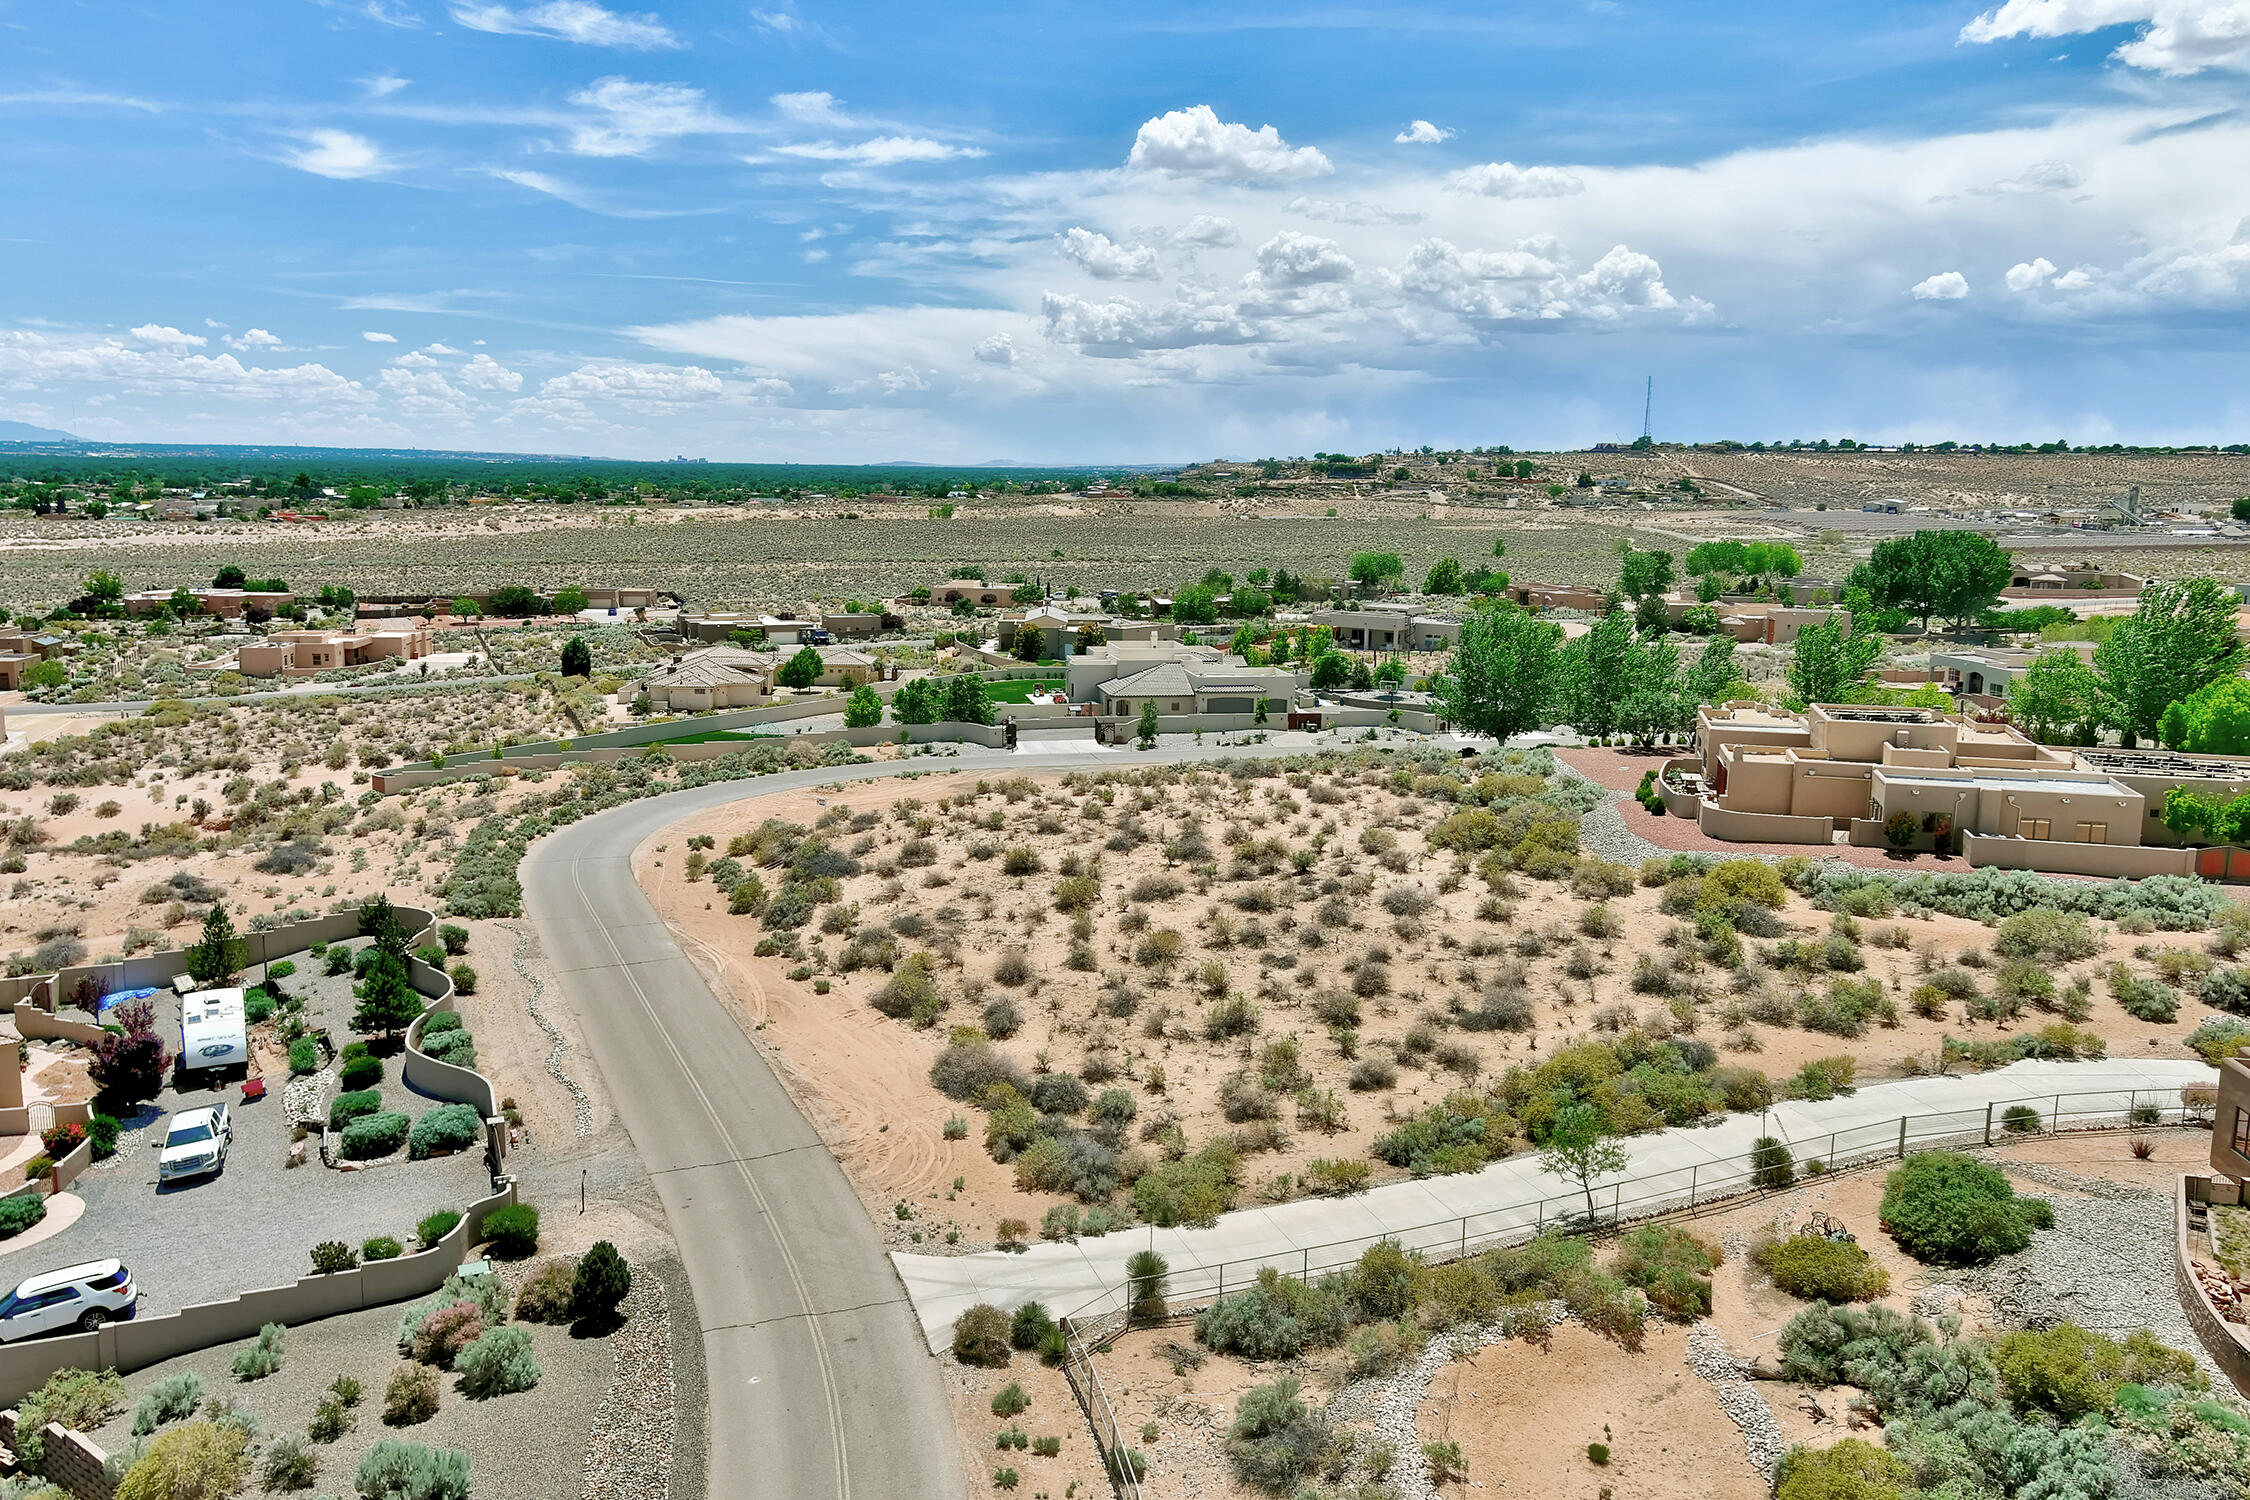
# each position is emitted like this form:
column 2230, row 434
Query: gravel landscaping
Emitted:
column 535, row 1445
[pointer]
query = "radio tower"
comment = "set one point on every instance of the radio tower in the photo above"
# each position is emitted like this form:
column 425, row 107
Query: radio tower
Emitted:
column 1648, row 404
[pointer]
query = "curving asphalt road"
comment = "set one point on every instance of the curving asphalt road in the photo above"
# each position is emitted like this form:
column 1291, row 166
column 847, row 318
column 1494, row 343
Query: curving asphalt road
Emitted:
column 821, row 1384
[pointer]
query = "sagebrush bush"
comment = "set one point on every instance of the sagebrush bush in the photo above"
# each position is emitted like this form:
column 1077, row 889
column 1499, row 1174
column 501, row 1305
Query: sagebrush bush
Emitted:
column 375, row 1135
column 498, row 1362
column 200, row 1459
column 288, row 1464
column 393, row 1470
column 168, row 1400
column 355, row 1104
column 449, row 1127
column 1277, row 1318
column 1671, row 1267
column 263, row 1357
column 512, row 1230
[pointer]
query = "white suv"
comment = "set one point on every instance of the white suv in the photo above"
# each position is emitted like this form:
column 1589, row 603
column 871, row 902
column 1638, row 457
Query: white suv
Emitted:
column 196, row 1142
column 82, row 1297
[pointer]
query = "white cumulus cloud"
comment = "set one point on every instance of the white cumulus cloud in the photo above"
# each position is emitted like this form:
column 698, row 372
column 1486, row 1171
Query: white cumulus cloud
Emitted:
column 2027, row 275
column 164, row 336
column 339, row 154
column 1104, row 259
column 379, row 338
column 2043, row 177
column 1213, row 231
column 1195, row 142
column 1352, row 211
column 1945, row 286
column 484, row 373
column 1422, row 133
column 635, row 387
column 2176, row 37
column 1291, row 259
column 1504, row 179
column 996, row 349
column 569, row 21
column 256, row 338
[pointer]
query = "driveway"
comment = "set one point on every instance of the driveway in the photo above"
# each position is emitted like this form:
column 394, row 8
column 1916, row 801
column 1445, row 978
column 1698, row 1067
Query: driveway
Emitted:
column 253, row 1225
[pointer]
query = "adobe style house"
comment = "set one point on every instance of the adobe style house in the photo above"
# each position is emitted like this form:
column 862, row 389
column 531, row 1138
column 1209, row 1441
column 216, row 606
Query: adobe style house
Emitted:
column 227, row 604
column 715, row 677
column 1758, row 620
column 975, row 590
column 1762, row 775
column 2071, row 581
column 301, row 653
column 1179, row 688
column 1388, row 629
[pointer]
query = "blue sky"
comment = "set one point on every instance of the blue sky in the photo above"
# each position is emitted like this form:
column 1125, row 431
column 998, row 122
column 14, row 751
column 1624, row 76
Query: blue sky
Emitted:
column 1073, row 233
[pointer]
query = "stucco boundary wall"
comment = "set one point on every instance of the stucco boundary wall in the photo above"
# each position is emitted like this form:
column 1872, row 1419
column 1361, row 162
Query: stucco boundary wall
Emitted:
column 2055, row 857
column 991, row 736
column 1762, row 828
column 141, row 1342
column 2228, row 1344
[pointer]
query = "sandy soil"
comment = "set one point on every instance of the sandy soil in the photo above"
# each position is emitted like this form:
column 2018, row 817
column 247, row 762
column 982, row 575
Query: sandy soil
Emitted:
column 1524, row 1417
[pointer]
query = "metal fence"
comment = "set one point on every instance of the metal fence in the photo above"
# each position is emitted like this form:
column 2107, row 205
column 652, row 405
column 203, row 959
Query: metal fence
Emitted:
column 1095, row 1324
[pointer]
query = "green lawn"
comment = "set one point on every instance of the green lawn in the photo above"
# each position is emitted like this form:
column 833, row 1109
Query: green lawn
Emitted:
column 1019, row 690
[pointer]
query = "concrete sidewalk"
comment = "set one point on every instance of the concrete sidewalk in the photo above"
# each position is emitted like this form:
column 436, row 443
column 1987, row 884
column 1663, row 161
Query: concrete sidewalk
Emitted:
column 1511, row 1199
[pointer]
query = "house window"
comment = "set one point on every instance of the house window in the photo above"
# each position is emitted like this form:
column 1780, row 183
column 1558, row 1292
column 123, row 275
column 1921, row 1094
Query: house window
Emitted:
column 2093, row 833
column 2034, row 828
column 2242, row 1132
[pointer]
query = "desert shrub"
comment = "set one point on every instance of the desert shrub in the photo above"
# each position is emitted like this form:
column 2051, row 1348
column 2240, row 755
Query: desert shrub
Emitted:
column 1820, row 1269
column 1771, row 1165
column 1383, row 1281
column 304, row 1056
column 2219, row 1038
column 454, row 1046
column 263, row 1357
column 361, row 1071
column 2020, row 1119
column 437, row 1226
column 393, row 1470
column 449, row 1127
column 332, row 1256
column 1229, row 1017
column 411, row 1396
column 1277, row 1318
column 483, row 1294
column 2145, row 999
column 1822, row 1078
column 498, row 1362
column 200, row 1461
column 911, row 993
column 966, row 1070
column 1276, row 1440
column 545, row 1297
column 375, row 1135
column 288, row 1464
column 441, row 1335
column 1502, row 1007
column 1382, row 1348
column 2172, row 902
column 511, row 1231
column 1028, row 1328
column 1058, row 1094
column 1192, row 1191
column 1944, row 1208
column 2053, row 937
column 980, row 1336
column 1460, row 1133
column 354, row 1105
column 1371, row 1073
column 1113, row 1108
column 168, row 1400
column 381, row 1247
column 1853, row 1469
column 1671, row 1266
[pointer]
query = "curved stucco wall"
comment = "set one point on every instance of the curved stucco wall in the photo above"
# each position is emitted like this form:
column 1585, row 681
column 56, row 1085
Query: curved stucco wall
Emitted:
column 1762, row 828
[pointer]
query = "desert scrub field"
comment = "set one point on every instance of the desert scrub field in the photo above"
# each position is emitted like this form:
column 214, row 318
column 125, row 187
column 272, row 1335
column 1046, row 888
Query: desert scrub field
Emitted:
column 1154, row 995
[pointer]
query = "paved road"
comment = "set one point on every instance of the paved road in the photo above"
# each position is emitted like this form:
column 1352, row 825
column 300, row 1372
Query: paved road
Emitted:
column 1510, row 1199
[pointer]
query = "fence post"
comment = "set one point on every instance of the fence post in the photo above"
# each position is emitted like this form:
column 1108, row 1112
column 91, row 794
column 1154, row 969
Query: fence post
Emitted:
column 2056, row 1116
column 1902, row 1137
column 1304, row 1269
column 1464, row 1236
column 1988, row 1123
column 1693, row 1168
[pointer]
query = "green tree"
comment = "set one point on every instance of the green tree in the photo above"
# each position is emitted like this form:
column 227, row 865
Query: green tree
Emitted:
column 1196, row 604
column 1391, row 672
column 801, row 670
column 1827, row 662
column 1655, row 704
column 570, row 599
column 1375, row 570
column 1957, row 574
column 465, row 608
column 600, row 1284
column 966, row 700
column 1444, row 578
column 2214, row 720
column 104, row 587
column 388, row 1001
column 919, row 701
column 228, row 577
column 1641, row 574
column 1597, row 671
column 218, row 955
column 1027, row 643
column 1502, row 676
column 1331, row 669
column 577, row 658
column 2056, row 695
column 863, row 710
column 1580, row 1152
column 2179, row 641
column 46, row 674
column 1148, row 726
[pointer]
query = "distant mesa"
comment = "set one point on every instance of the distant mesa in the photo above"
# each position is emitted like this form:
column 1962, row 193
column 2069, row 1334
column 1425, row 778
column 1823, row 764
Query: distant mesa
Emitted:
column 24, row 432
